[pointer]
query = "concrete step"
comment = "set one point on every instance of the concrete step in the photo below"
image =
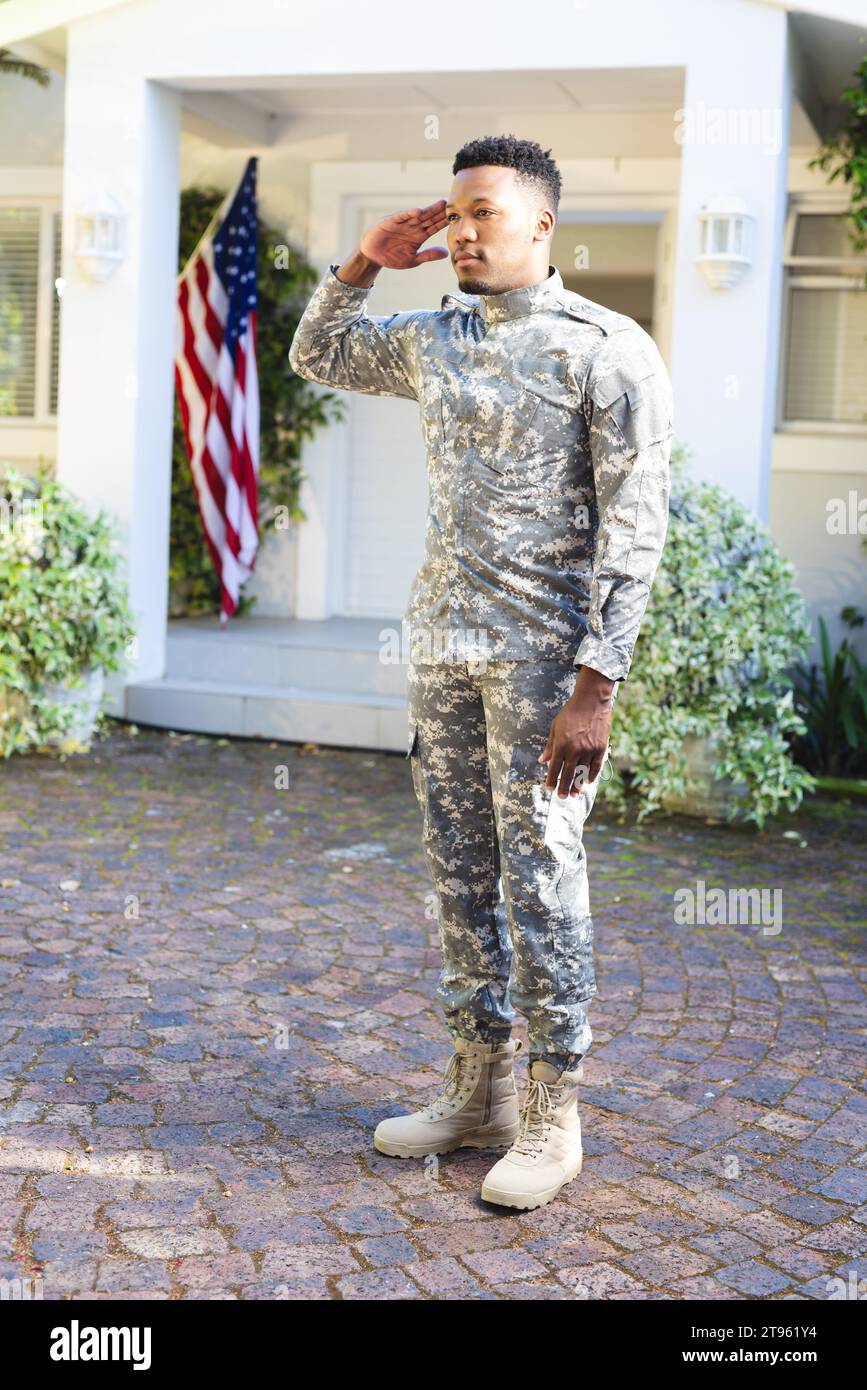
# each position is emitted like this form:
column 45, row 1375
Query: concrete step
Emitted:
column 342, row 718
column 338, row 654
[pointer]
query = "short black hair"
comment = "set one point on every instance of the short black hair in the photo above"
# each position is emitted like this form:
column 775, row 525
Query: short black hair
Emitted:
column 533, row 164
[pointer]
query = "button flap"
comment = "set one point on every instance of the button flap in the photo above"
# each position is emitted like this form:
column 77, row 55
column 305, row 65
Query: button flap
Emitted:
column 625, row 379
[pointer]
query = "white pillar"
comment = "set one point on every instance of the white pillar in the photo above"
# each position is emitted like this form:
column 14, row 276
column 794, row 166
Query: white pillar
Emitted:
column 725, row 342
column 117, row 337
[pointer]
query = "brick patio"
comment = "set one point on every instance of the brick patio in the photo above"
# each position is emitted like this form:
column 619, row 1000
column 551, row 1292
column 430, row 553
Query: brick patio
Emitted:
column 212, row 987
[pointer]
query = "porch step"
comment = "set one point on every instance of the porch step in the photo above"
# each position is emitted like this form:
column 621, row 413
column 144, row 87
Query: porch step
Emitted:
column 290, row 679
column 335, row 654
column 295, row 714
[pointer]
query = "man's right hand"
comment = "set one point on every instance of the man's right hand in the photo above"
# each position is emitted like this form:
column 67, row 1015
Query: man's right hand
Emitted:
column 394, row 240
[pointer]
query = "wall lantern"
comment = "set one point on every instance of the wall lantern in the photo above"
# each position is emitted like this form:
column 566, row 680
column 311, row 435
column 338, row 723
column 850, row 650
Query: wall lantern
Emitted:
column 726, row 245
column 99, row 238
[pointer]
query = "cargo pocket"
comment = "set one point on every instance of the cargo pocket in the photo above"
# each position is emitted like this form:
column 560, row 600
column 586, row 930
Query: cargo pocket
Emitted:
column 565, row 829
column 528, row 804
column 545, row 824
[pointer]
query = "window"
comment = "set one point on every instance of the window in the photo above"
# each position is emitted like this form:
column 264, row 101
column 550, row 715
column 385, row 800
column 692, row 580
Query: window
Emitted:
column 30, row 261
column 824, row 359
column 56, row 271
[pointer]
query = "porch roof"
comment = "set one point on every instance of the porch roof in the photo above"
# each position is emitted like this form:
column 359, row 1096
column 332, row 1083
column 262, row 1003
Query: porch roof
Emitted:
column 828, row 45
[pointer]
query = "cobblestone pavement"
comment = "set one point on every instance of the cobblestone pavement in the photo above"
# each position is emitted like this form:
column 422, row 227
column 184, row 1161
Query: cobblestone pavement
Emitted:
column 213, row 985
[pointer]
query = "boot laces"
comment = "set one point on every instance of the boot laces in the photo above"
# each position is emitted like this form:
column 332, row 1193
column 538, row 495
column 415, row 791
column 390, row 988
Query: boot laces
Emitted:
column 538, row 1105
column 453, row 1081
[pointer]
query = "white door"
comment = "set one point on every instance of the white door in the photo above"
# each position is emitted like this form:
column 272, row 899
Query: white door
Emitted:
column 386, row 483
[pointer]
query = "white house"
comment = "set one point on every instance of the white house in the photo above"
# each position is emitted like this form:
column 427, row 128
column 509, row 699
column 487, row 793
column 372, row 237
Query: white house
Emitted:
column 657, row 116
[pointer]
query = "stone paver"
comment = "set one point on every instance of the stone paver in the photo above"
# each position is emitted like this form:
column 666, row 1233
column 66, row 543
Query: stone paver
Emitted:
column 212, row 988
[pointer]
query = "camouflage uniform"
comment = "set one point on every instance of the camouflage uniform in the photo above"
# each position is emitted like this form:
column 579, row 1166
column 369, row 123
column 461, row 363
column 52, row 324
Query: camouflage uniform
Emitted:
column 548, row 421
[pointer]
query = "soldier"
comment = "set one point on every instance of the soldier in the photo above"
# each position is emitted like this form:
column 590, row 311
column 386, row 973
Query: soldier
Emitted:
column 547, row 421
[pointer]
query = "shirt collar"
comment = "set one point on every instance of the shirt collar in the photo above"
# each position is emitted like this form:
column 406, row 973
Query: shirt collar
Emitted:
column 511, row 304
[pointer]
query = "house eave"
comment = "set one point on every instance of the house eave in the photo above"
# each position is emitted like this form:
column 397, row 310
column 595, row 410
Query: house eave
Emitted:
column 34, row 19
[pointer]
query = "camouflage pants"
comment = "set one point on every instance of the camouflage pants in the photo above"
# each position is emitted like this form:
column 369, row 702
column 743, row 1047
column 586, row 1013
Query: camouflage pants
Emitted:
column 506, row 854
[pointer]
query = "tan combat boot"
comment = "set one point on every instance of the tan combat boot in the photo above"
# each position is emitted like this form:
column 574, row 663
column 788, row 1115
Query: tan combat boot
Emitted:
column 476, row 1108
column 547, row 1153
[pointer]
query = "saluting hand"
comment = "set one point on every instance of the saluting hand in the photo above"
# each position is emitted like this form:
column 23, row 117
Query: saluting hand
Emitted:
column 393, row 241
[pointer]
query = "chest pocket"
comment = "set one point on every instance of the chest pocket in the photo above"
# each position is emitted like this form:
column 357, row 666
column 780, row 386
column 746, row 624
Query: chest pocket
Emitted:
column 521, row 425
column 534, row 426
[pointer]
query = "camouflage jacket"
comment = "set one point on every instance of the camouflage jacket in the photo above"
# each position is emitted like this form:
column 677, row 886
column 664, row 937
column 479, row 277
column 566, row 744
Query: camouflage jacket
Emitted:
column 547, row 420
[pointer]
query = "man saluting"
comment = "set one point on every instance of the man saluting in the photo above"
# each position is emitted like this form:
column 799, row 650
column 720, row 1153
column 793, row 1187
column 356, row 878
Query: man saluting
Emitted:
column 547, row 421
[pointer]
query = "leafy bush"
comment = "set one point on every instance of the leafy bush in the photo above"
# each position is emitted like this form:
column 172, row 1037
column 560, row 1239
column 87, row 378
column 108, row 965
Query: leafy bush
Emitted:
column 291, row 409
column 63, row 605
column 833, row 703
column 723, row 624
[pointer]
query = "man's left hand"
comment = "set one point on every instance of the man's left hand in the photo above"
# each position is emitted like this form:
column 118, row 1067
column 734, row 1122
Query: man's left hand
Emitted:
column 579, row 734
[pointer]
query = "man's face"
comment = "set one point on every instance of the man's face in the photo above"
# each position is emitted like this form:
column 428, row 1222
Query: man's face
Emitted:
column 491, row 218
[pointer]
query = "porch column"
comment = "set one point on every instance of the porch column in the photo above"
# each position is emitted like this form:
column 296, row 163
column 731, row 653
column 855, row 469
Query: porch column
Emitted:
column 117, row 338
column 725, row 343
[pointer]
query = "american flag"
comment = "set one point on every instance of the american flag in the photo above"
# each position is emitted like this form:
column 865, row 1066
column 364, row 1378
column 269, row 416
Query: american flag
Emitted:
column 218, row 385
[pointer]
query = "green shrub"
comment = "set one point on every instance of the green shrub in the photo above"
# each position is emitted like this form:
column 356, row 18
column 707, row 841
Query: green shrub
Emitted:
column 832, row 699
column 724, row 623
column 63, row 605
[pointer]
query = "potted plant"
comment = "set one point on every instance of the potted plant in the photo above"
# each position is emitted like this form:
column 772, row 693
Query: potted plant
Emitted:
column 703, row 723
column 64, row 616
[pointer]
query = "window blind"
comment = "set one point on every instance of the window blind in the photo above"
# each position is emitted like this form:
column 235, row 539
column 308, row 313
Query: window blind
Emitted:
column 19, row 280
column 54, row 366
column 826, row 360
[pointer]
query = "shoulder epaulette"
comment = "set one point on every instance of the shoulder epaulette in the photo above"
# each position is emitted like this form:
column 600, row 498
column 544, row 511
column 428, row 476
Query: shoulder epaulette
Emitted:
column 587, row 311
